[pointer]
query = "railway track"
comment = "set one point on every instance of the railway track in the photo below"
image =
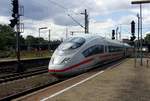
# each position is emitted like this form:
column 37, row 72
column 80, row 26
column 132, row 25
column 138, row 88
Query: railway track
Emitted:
column 8, row 98
column 15, row 76
column 11, row 65
column 25, row 92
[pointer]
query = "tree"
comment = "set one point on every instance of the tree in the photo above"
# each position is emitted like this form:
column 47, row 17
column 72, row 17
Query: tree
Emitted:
column 22, row 40
column 7, row 37
column 147, row 38
column 31, row 40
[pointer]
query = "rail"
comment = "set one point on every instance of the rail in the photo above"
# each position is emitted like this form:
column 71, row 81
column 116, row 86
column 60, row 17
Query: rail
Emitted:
column 16, row 76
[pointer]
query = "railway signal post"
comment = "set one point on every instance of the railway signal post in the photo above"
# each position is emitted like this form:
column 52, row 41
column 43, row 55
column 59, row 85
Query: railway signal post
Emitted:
column 140, row 2
column 132, row 39
column 16, row 22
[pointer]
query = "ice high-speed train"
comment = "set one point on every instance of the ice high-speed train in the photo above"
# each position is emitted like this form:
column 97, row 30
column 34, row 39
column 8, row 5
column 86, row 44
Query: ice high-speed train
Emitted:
column 82, row 52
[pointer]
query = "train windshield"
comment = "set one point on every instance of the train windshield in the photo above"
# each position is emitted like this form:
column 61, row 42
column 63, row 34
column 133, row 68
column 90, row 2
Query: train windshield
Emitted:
column 72, row 43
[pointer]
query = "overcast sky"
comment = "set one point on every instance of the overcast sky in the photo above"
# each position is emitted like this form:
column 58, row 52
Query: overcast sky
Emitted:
column 104, row 15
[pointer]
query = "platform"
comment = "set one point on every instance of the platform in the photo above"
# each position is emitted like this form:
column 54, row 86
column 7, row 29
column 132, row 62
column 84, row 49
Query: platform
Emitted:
column 9, row 60
column 122, row 83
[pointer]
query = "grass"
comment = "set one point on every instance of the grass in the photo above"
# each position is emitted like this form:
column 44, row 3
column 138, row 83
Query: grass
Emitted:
column 35, row 54
column 27, row 54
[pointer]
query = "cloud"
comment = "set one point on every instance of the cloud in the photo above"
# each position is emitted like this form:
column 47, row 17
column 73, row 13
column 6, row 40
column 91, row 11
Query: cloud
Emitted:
column 4, row 20
column 104, row 15
column 57, row 10
column 5, row 6
column 126, row 20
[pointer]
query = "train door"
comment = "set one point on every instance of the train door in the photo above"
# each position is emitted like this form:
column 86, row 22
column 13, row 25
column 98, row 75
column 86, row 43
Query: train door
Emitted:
column 106, row 52
column 125, row 51
column 100, row 51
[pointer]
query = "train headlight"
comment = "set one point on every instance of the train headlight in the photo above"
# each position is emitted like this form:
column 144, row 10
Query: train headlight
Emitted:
column 66, row 60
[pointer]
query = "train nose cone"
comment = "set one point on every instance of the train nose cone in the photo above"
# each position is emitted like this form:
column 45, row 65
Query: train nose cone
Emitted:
column 58, row 64
column 56, row 60
column 57, row 70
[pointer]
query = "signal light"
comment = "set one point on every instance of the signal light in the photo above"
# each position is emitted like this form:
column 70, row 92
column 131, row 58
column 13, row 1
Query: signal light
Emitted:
column 132, row 38
column 13, row 22
column 133, row 27
column 113, row 34
column 15, row 8
column 15, row 13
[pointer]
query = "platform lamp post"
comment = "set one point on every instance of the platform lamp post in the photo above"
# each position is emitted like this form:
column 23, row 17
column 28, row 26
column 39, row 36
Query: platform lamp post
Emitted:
column 40, row 36
column 49, row 39
column 140, row 2
column 138, row 32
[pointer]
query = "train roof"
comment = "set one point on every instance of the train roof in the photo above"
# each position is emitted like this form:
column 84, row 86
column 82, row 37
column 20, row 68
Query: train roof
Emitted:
column 89, row 37
column 95, row 36
column 127, row 45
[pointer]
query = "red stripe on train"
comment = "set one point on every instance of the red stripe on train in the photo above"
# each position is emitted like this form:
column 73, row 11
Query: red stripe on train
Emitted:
column 73, row 66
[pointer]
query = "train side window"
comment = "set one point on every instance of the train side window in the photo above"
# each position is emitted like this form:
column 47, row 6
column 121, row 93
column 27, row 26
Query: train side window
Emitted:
column 110, row 48
column 96, row 49
column 114, row 49
column 101, row 49
column 106, row 50
column 86, row 53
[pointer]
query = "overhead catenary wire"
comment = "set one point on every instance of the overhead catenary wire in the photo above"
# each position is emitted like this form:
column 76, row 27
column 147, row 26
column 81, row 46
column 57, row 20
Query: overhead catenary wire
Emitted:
column 59, row 5
column 75, row 20
column 55, row 3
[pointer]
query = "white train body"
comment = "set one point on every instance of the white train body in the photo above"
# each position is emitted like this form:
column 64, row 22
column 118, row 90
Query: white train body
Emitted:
column 83, row 52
